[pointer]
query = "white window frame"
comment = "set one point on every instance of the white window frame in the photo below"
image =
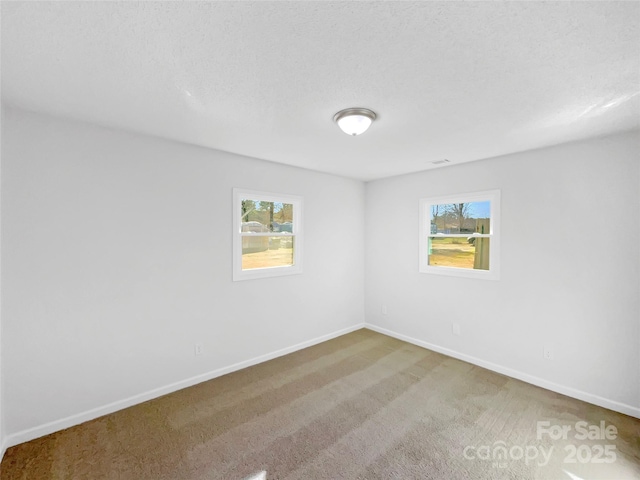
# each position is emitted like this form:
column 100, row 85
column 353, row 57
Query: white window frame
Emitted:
column 238, row 274
column 492, row 196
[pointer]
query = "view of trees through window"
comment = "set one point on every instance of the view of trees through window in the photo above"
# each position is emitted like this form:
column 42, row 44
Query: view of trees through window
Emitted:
column 267, row 232
column 272, row 216
column 456, row 239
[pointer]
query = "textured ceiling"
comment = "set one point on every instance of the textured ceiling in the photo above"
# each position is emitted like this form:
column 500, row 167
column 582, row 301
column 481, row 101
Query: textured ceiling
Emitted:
column 462, row 81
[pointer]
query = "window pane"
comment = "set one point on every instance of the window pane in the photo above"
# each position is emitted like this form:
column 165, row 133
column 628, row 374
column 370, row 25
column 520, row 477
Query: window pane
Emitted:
column 264, row 252
column 266, row 216
column 470, row 253
column 468, row 217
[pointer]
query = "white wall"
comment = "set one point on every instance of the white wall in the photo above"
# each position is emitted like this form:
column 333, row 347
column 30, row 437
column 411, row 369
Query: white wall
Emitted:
column 569, row 277
column 116, row 259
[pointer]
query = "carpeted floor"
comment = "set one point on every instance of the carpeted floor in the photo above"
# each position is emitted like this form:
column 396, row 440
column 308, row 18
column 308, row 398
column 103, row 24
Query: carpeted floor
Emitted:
column 362, row 406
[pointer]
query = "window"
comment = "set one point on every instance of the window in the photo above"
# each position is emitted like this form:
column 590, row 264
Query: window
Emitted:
column 459, row 235
column 267, row 234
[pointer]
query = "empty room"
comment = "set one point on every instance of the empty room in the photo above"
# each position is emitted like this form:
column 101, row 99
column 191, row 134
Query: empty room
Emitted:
column 259, row 240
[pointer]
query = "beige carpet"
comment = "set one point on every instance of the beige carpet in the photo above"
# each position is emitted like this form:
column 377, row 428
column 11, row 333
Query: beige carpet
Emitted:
column 362, row 406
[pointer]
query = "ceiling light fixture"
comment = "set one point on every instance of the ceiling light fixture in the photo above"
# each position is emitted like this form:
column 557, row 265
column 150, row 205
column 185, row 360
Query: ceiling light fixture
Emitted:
column 354, row 121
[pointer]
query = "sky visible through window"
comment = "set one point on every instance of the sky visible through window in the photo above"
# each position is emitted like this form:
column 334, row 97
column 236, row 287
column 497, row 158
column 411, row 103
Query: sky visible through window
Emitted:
column 475, row 209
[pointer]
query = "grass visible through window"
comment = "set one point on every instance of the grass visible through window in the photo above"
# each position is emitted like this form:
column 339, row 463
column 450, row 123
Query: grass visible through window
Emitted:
column 265, row 252
column 459, row 253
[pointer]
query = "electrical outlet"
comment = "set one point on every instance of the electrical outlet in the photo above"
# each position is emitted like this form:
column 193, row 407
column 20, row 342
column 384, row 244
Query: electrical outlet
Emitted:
column 547, row 354
column 384, row 309
column 455, row 328
column 198, row 350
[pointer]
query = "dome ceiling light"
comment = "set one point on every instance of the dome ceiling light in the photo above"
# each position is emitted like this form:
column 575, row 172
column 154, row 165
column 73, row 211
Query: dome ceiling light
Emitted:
column 354, row 121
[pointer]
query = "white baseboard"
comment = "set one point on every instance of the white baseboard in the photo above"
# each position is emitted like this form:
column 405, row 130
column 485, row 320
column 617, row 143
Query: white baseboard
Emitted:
column 47, row 428
column 3, row 448
column 540, row 382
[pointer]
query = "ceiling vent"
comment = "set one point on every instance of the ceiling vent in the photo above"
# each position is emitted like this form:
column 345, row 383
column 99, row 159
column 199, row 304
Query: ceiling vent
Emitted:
column 440, row 162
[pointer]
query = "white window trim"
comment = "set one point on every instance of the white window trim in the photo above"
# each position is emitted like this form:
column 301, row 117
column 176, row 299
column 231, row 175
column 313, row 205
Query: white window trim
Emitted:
column 296, row 268
column 494, row 251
